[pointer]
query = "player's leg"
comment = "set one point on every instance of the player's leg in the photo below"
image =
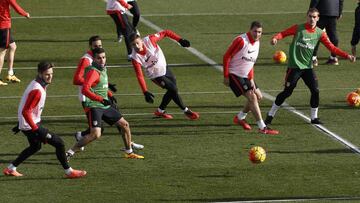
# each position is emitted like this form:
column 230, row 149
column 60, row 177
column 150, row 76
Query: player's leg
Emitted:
column 127, row 29
column 135, row 11
column 4, row 44
column 10, row 59
column 239, row 87
column 55, row 141
column 34, row 146
column 332, row 34
column 113, row 116
column 94, row 116
column 291, row 79
column 311, row 82
column 118, row 26
column 2, row 58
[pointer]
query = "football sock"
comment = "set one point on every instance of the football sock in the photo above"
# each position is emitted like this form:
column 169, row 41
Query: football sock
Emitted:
column 314, row 57
column 261, row 124
column 161, row 110
column 241, row 115
column 273, row 109
column 128, row 151
column 314, row 113
column 68, row 171
column 11, row 72
column 12, row 167
column 70, row 151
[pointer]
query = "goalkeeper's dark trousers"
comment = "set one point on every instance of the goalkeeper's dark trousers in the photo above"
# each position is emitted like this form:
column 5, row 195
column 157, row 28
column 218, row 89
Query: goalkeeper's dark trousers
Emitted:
column 35, row 141
column 291, row 79
column 329, row 23
column 168, row 82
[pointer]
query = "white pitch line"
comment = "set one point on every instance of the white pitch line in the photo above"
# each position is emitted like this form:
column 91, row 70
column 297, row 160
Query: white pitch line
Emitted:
column 267, row 96
column 129, row 114
column 174, row 15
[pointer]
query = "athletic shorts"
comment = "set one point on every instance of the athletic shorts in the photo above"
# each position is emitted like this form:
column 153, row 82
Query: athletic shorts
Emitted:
column 308, row 75
column 96, row 115
column 239, row 85
column 41, row 135
column 5, row 38
column 166, row 81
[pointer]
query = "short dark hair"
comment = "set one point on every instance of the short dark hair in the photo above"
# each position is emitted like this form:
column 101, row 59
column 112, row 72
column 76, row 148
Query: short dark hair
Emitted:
column 255, row 24
column 133, row 37
column 98, row 51
column 313, row 10
column 93, row 39
column 44, row 65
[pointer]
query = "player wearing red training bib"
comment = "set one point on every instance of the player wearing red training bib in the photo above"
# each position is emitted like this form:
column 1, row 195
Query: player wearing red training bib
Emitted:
column 29, row 116
column 148, row 54
column 238, row 66
column 7, row 43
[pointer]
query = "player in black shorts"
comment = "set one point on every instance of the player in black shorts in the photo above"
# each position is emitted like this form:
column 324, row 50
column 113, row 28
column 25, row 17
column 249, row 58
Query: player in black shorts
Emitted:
column 98, row 107
column 7, row 44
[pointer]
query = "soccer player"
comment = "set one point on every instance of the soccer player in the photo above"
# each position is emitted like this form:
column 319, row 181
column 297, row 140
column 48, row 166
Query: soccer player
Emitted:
column 29, row 115
column 148, row 54
column 330, row 13
column 306, row 36
column 116, row 9
column 86, row 61
column 356, row 33
column 7, row 43
column 238, row 66
column 98, row 106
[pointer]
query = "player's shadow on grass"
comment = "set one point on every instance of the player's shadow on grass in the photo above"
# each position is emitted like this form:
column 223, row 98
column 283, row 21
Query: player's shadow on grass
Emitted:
column 324, row 151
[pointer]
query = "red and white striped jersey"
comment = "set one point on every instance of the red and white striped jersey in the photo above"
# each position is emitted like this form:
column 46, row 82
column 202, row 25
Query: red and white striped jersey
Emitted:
column 31, row 106
column 78, row 79
column 116, row 6
column 241, row 56
column 153, row 61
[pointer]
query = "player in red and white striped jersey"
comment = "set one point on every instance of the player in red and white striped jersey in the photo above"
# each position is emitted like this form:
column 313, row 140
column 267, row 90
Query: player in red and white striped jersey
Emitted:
column 116, row 9
column 238, row 66
column 148, row 54
column 29, row 115
column 6, row 41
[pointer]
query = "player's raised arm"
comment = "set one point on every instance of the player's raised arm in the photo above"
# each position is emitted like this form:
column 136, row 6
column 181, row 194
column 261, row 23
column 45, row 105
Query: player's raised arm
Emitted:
column 289, row 31
column 170, row 34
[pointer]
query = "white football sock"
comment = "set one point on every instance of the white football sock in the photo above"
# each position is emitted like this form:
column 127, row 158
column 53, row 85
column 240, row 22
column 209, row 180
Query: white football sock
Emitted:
column 241, row 115
column 12, row 167
column 274, row 109
column 128, row 151
column 161, row 110
column 70, row 151
column 11, row 72
column 261, row 124
column 68, row 171
column 314, row 57
column 314, row 113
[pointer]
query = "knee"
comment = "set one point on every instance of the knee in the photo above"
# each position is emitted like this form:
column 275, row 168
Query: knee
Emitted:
column 12, row 46
column 123, row 124
column 95, row 135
